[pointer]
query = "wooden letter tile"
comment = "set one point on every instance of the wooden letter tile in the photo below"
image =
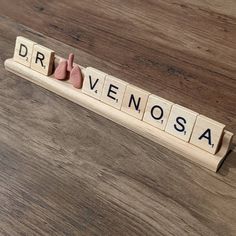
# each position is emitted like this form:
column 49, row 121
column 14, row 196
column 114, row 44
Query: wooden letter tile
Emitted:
column 157, row 111
column 23, row 51
column 113, row 91
column 134, row 101
column 93, row 82
column 42, row 60
column 181, row 122
column 207, row 134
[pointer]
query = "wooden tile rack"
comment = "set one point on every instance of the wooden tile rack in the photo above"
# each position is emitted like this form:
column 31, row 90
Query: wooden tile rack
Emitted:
column 179, row 146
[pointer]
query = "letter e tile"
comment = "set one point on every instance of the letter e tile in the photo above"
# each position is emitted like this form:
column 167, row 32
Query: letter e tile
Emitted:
column 113, row 91
column 42, row 60
column 23, row 51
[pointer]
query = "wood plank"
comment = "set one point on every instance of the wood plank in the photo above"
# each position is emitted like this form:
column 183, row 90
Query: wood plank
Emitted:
column 57, row 174
column 173, row 48
column 66, row 90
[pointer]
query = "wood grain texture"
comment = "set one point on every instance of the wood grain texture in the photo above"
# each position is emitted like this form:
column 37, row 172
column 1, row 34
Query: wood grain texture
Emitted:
column 67, row 171
column 66, row 90
column 184, row 52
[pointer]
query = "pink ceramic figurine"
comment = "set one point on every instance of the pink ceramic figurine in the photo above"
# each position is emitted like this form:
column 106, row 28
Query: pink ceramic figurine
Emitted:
column 66, row 70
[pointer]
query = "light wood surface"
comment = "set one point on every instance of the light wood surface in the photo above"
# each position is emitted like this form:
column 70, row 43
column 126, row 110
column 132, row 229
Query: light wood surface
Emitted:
column 128, row 120
column 67, row 171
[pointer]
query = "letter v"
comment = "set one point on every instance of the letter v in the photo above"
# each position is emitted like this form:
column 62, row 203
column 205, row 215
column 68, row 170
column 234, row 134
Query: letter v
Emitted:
column 92, row 86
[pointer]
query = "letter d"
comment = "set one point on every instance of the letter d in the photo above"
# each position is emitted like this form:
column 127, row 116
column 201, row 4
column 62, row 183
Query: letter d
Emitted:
column 23, row 50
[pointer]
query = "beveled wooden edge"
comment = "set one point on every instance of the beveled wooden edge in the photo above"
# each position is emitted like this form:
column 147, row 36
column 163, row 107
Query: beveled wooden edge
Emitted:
column 66, row 90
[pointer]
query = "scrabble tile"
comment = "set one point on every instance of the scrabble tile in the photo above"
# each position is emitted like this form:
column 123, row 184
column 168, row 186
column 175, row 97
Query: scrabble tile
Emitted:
column 113, row 91
column 134, row 101
column 93, row 82
column 157, row 111
column 23, row 50
column 181, row 122
column 42, row 60
column 207, row 134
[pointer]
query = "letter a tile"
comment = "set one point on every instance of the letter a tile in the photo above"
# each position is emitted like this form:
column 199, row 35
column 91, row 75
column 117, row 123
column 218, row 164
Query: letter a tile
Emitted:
column 207, row 134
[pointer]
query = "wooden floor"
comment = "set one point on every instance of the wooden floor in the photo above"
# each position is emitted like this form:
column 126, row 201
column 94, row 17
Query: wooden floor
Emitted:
column 67, row 171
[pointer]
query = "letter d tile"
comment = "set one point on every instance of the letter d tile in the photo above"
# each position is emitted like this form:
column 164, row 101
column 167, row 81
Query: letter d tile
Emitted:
column 23, row 51
column 113, row 91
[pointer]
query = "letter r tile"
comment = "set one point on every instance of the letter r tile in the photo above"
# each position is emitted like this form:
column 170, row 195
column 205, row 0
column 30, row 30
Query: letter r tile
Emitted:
column 93, row 82
column 42, row 60
column 207, row 134
column 113, row 91
column 23, row 51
